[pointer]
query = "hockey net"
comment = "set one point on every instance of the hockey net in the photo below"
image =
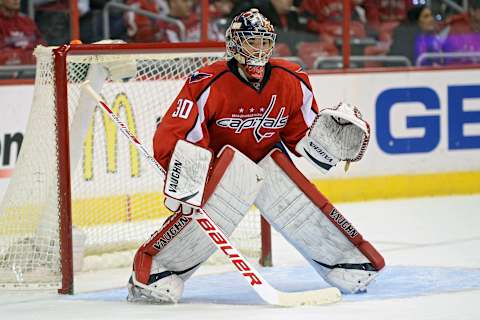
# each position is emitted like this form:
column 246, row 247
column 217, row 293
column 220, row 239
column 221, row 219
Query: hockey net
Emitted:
column 115, row 200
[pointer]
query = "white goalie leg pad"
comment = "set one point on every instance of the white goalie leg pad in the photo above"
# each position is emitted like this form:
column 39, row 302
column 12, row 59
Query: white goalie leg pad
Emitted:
column 181, row 245
column 296, row 209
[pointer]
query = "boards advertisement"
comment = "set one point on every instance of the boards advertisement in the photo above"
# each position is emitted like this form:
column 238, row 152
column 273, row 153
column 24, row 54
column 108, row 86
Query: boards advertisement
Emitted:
column 423, row 123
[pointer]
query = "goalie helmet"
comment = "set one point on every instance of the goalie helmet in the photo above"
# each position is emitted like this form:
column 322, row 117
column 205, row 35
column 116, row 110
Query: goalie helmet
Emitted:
column 250, row 38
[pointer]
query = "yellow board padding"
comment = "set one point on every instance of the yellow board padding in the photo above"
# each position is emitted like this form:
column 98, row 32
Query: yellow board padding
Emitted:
column 120, row 208
column 401, row 186
column 149, row 205
column 22, row 220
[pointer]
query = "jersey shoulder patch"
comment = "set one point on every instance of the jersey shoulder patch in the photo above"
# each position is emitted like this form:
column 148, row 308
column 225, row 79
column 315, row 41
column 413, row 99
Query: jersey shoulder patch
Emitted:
column 213, row 69
column 198, row 76
column 203, row 77
column 291, row 68
column 285, row 64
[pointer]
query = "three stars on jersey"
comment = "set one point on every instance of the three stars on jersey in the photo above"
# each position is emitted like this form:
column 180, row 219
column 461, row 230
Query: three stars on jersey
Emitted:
column 251, row 110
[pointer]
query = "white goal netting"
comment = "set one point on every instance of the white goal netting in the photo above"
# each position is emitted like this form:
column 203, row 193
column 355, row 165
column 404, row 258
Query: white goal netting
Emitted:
column 116, row 197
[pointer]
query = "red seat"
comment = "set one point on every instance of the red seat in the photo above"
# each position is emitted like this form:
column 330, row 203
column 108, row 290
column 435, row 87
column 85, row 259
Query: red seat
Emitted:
column 329, row 32
column 385, row 31
column 357, row 30
column 309, row 51
column 379, row 49
column 281, row 50
column 16, row 56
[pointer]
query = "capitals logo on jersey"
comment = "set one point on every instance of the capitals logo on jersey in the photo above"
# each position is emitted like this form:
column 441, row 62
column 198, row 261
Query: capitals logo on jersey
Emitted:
column 257, row 122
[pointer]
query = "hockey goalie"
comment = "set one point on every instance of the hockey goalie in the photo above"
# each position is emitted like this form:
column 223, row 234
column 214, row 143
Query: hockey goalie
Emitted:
column 218, row 144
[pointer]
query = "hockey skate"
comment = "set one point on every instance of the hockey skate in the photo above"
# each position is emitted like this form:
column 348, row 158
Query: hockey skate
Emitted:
column 163, row 288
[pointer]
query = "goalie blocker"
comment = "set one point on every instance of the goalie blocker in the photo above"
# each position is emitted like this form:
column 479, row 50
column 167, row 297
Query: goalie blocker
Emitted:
column 330, row 243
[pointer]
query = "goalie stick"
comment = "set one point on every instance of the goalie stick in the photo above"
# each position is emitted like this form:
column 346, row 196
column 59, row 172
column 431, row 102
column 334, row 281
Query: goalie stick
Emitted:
column 268, row 293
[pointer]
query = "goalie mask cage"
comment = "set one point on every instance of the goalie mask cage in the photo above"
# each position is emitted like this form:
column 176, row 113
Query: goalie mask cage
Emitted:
column 81, row 197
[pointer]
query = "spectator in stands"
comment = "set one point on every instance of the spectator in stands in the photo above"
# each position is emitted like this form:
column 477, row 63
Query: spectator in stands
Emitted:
column 219, row 13
column 468, row 22
column 91, row 21
column 386, row 10
column 464, row 33
column 281, row 13
column 141, row 28
column 384, row 16
column 325, row 18
column 181, row 24
column 52, row 18
column 221, row 8
column 290, row 25
column 417, row 35
column 18, row 34
column 186, row 13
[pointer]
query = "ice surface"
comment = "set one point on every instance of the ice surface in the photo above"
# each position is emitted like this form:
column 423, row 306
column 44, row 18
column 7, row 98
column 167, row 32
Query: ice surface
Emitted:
column 393, row 282
column 431, row 247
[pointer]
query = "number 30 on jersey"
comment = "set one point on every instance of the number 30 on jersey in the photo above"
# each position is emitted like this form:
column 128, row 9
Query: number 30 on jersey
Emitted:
column 184, row 106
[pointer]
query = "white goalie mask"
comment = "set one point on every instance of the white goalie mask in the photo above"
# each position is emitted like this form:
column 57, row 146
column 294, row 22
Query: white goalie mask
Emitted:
column 250, row 39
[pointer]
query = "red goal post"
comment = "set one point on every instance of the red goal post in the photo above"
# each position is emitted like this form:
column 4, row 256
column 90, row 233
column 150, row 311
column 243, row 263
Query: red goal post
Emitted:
column 86, row 176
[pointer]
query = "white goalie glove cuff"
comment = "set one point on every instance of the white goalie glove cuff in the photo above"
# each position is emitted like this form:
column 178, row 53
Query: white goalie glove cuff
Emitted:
column 337, row 134
column 316, row 154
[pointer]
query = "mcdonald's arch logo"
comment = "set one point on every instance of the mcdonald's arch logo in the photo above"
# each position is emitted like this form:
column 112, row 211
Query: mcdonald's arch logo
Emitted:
column 121, row 106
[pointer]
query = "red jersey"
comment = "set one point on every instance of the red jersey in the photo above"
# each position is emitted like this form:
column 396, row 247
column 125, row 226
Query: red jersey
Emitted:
column 18, row 37
column 460, row 24
column 326, row 16
column 19, row 32
column 170, row 32
column 141, row 28
column 217, row 107
column 380, row 11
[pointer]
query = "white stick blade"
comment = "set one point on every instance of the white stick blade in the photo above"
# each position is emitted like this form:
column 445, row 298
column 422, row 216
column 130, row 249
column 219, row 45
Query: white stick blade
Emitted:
column 312, row 297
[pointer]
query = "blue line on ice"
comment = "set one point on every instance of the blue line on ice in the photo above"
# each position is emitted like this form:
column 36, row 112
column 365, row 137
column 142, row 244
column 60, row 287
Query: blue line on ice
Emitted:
column 393, row 282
